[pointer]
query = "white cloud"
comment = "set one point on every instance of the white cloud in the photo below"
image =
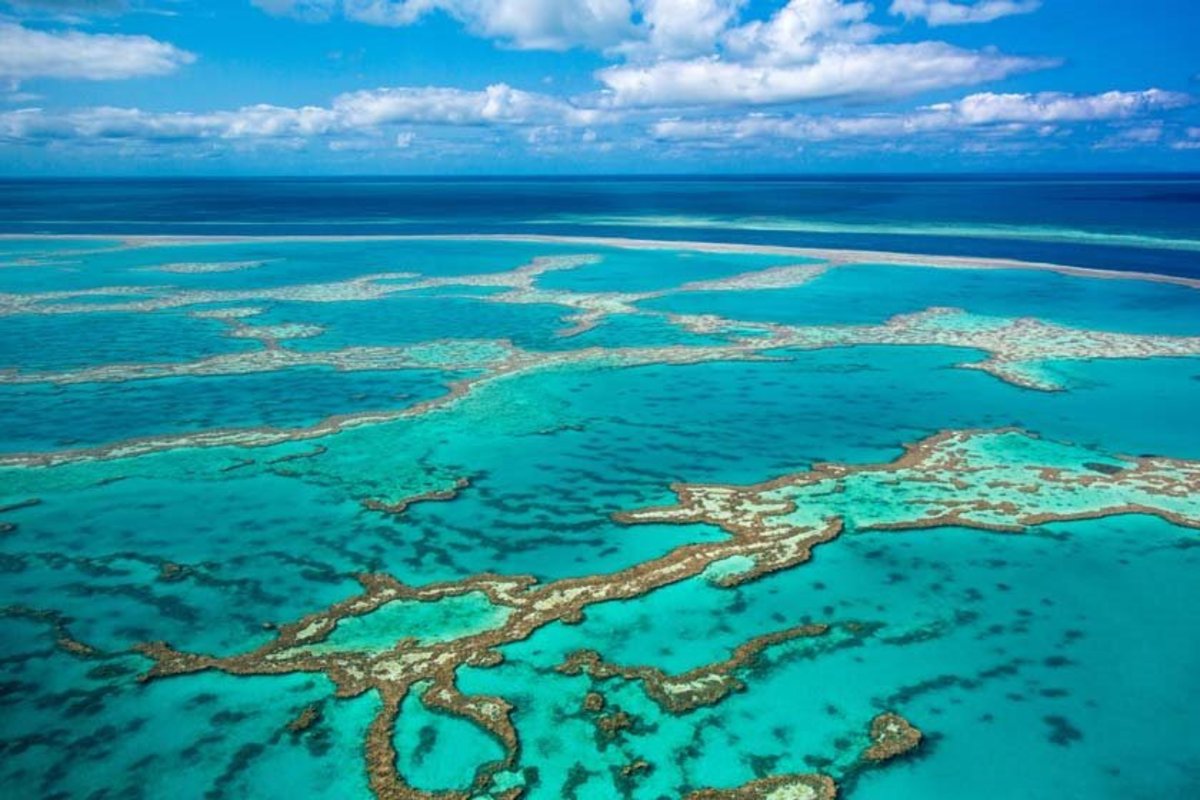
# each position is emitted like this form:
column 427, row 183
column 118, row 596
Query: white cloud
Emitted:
column 799, row 29
column 649, row 28
column 360, row 113
column 696, row 52
column 26, row 53
column 680, row 28
column 1132, row 136
column 1039, row 113
column 981, row 109
column 1191, row 142
column 945, row 12
column 499, row 103
column 524, row 24
column 836, row 71
column 806, row 50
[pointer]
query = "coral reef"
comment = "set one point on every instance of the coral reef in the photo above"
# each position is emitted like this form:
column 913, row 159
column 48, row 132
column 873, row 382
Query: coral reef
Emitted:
column 702, row 686
column 991, row 480
column 774, row 787
column 891, row 736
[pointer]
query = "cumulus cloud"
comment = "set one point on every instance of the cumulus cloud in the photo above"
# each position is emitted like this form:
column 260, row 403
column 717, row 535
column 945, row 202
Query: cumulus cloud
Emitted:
column 1190, row 140
column 945, row 12
column 524, row 24
column 799, row 29
column 652, row 28
column 662, row 27
column 499, row 103
column 836, row 71
column 27, row 53
column 1132, row 136
column 806, row 50
column 365, row 112
column 985, row 108
column 1040, row 113
column 680, row 28
column 693, row 52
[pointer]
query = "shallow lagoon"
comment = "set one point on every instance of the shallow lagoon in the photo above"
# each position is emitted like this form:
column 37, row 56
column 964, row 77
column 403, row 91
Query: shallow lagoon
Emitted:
column 1053, row 657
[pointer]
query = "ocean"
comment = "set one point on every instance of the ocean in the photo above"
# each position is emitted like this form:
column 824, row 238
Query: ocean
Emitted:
column 592, row 488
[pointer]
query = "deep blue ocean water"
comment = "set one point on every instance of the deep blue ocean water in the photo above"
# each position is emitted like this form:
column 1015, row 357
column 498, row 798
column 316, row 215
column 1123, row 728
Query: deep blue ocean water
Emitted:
column 1104, row 221
column 1054, row 663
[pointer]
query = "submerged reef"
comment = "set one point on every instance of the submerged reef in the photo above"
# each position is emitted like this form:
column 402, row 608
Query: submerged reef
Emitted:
column 403, row 504
column 891, row 736
column 1002, row 480
column 702, row 686
column 59, row 627
column 1016, row 350
column 205, row 267
column 775, row 787
column 407, row 648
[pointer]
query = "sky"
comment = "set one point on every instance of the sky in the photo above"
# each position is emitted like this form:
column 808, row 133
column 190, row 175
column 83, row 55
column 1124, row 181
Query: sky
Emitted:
column 231, row 87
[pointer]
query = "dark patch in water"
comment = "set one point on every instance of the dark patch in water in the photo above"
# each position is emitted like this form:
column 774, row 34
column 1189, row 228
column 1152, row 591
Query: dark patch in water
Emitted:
column 762, row 766
column 426, row 740
column 1106, row 469
column 1062, row 732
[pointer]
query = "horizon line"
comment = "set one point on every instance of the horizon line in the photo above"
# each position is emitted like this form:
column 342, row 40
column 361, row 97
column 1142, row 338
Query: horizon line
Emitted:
column 948, row 175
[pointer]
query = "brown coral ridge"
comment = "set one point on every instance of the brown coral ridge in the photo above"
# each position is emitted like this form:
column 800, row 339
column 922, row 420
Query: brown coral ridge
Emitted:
column 774, row 787
column 763, row 538
column 170, row 572
column 23, row 504
column 310, row 715
column 891, row 736
column 935, row 461
column 59, row 627
column 394, row 672
column 1014, row 349
column 433, row 496
column 703, row 686
column 593, row 702
column 609, row 726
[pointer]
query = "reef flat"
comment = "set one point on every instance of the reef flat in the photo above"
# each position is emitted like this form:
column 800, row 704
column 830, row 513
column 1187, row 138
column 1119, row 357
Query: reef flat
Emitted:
column 1018, row 349
column 549, row 517
column 963, row 479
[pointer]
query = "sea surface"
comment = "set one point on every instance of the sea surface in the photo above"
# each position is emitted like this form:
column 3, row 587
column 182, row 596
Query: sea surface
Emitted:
column 319, row 487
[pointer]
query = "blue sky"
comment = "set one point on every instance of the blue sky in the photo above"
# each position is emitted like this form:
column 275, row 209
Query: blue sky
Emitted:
column 566, row 86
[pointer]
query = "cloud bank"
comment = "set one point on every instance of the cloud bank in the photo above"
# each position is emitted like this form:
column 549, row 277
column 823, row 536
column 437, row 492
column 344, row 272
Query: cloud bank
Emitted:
column 676, row 76
column 1011, row 112
column 27, row 53
column 944, row 12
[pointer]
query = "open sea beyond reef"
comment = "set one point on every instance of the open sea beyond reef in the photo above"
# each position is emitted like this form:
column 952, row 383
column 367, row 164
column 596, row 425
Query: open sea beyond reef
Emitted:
column 600, row 488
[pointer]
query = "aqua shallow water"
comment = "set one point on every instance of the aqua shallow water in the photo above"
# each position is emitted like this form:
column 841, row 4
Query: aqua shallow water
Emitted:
column 1047, row 663
column 47, row 417
column 871, row 294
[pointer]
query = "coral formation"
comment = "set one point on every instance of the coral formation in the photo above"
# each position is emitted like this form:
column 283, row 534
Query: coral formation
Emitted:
column 992, row 480
column 891, row 736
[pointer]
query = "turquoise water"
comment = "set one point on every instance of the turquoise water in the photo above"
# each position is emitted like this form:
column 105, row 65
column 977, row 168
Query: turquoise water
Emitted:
column 855, row 296
column 45, row 417
column 405, row 319
column 1049, row 663
column 48, row 343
